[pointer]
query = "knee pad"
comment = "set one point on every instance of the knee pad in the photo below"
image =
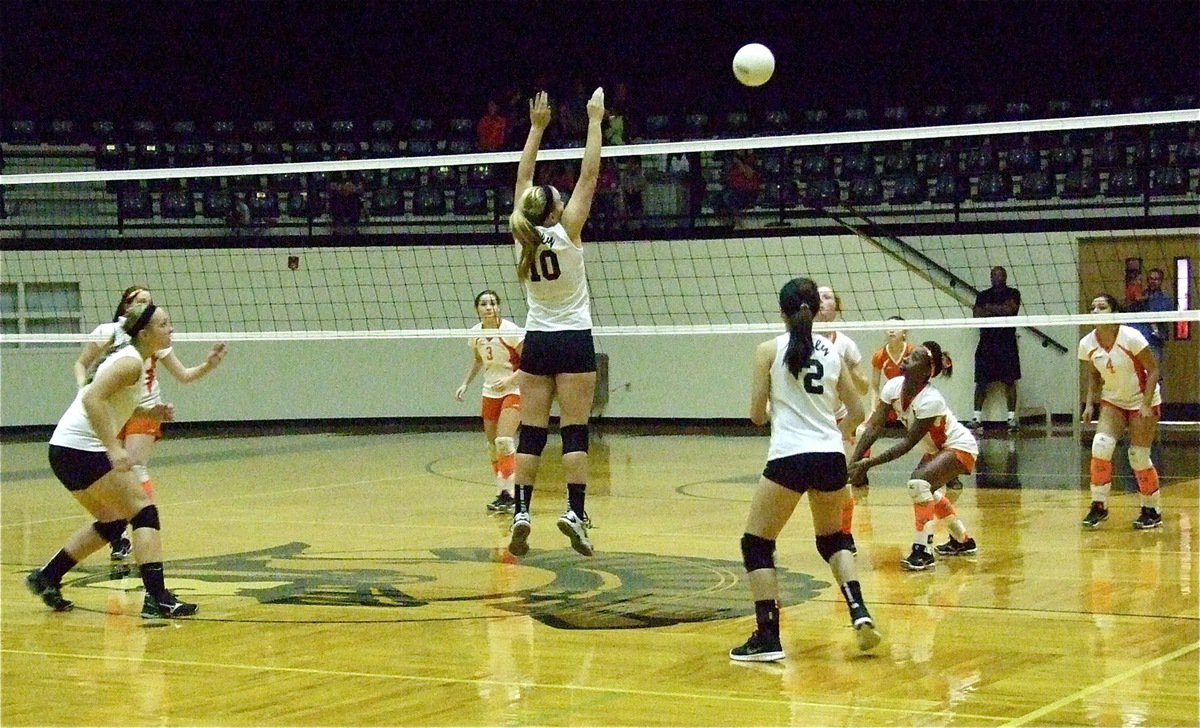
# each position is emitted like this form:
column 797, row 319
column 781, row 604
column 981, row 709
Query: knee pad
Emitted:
column 1139, row 458
column 532, row 440
column 574, row 438
column 757, row 552
column 505, row 446
column 1103, row 446
column 831, row 543
column 145, row 518
column 110, row 530
column 920, row 490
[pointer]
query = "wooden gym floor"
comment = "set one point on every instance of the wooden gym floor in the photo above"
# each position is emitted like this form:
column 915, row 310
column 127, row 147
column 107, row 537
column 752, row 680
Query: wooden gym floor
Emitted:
column 355, row 579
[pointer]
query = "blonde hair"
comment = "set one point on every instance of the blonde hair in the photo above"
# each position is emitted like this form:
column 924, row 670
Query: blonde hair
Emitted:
column 532, row 206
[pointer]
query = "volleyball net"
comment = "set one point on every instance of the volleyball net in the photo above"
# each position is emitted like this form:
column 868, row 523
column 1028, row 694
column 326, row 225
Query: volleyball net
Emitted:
column 330, row 242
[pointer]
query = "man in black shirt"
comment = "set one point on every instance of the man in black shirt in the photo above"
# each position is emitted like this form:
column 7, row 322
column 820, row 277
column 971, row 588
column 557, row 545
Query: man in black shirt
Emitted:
column 996, row 357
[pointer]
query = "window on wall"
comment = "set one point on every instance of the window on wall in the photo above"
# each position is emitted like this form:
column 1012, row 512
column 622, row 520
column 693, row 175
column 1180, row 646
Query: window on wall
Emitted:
column 40, row 308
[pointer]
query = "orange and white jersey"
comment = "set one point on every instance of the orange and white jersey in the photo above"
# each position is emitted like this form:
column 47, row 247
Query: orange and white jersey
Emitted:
column 947, row 432
column 1123, row 376
column 499, row 352
column 882, row 360
column 148, row 389
column 848, row 351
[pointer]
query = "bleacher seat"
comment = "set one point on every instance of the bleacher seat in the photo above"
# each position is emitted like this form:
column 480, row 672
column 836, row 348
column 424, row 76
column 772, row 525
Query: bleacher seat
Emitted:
column 823, row 192
column 948, row 188
column 657, row 126
column 976, row 113
column 1108, row 156
column 420, row 148
column 815, row 120
column 189, row 154
column 460, row 146
column 736, row 123
column 134, row 204
column 1080, row 183
column 112, row 155
column 346, row 150
column 444, row 177
column 1017, row 110
column 993, row 187
column 897, row 162
column 64, row 131
column 978, row 160
column 896, row 115
column 1036, row 185
column 1187, row 154
column 777, row 122
column 383, row 148
column 307, row 151
column 695, row 125
column 429, row 201
column 1168, row 181
column 816, row 166
column 1124, row 182
column 178, row 205
column 405, row 177
column 1150, row 154
column 481, row 175
column 779, row 193
column 1023, row 159
column 1063, row 159
column 909, row 189
column 857, row 163
column 941, row 161
column 305, row 204
column 229, row 153
column 856, row 118
column 470, row 201
column 267, row 153
column 217, row 204
column 263, row 204
column 865, row 190
column 387, row 201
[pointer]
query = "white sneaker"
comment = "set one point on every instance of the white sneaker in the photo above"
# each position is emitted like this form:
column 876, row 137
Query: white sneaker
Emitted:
column 518, row 540
column 575, row 528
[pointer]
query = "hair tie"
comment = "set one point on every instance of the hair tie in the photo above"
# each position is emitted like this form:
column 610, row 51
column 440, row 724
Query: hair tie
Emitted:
column 141, row 321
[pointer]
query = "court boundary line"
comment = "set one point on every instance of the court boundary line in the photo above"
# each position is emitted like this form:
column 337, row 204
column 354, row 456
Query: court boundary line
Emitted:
column 1084, row 692
column 715, row 697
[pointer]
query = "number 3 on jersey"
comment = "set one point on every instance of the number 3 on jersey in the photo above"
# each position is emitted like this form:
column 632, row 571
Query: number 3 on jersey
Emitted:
column 546, row 267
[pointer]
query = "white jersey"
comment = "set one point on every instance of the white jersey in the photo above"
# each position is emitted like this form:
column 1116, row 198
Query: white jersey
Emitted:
column 802, row 407
column 499, row 353
column 75, row 430
column 845, row 348
column 114, row 332
column 947, row 432
column 1123, row 376
column 557, row 290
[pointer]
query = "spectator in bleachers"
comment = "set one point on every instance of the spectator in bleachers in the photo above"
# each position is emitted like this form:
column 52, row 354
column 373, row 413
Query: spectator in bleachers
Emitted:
column 743, row 182
column 632, row 180
column 572, row 112
column 239, row 210
column 345, row 199
column 491, row 132
column 516, row 116
column 616, row 117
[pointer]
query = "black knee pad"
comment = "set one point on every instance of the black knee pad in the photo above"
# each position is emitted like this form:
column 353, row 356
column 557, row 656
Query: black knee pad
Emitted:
column 145, row 518
column 831, row 543
column 575, row 438
column 532, row 440
column 757, row 552
column 110, row 530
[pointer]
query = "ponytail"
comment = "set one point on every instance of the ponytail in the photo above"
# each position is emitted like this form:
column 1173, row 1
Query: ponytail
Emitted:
column 939, row 360
column 533, row 205
column 800, row 343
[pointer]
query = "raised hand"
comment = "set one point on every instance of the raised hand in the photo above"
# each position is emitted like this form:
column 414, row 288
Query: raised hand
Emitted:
column 539, row 110
column 595, row 105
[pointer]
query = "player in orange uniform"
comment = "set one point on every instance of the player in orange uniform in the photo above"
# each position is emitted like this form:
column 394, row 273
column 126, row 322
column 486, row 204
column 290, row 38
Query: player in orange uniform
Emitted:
column 499, row 357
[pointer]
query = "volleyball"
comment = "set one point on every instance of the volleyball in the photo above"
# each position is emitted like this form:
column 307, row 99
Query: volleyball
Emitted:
column 753, row 64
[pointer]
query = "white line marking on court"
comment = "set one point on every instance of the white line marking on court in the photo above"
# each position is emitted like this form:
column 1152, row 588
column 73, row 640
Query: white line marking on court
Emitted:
column 1080, row 694
column 500, row 683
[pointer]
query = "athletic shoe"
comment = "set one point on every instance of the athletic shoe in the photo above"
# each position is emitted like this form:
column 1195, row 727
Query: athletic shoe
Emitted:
column 865, row 632
column 121, row 548
column 504, row 503
column 1095, row 515
column 954, row 547
column 50, row 592
column 974, row 424
column 955, row 483
column 919, row 560
column 166, row 607
column 761, row 647
column 518, row 539
column 1148, row 519
column 575, row 528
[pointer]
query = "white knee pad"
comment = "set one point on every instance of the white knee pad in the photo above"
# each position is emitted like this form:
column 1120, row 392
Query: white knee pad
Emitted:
column 142, row 474
column 1139, row 458
column 1103, row 446
column 505, row 446
column 920, row 490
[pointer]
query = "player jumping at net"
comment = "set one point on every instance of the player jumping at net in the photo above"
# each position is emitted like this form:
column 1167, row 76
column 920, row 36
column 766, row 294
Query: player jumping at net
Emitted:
column 559, row 357
column 144, row 429
column 1120, row 366
column 799, row 382
column 948, row 450
column 498, row 356
column 90, row 460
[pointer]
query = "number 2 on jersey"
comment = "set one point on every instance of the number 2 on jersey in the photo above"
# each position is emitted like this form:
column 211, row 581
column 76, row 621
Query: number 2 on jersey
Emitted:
column 812, row 380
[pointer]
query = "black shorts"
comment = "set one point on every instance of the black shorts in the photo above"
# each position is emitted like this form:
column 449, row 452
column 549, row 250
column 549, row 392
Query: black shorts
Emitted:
column 547, row 353
column 823, row 471
column 78, row 469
